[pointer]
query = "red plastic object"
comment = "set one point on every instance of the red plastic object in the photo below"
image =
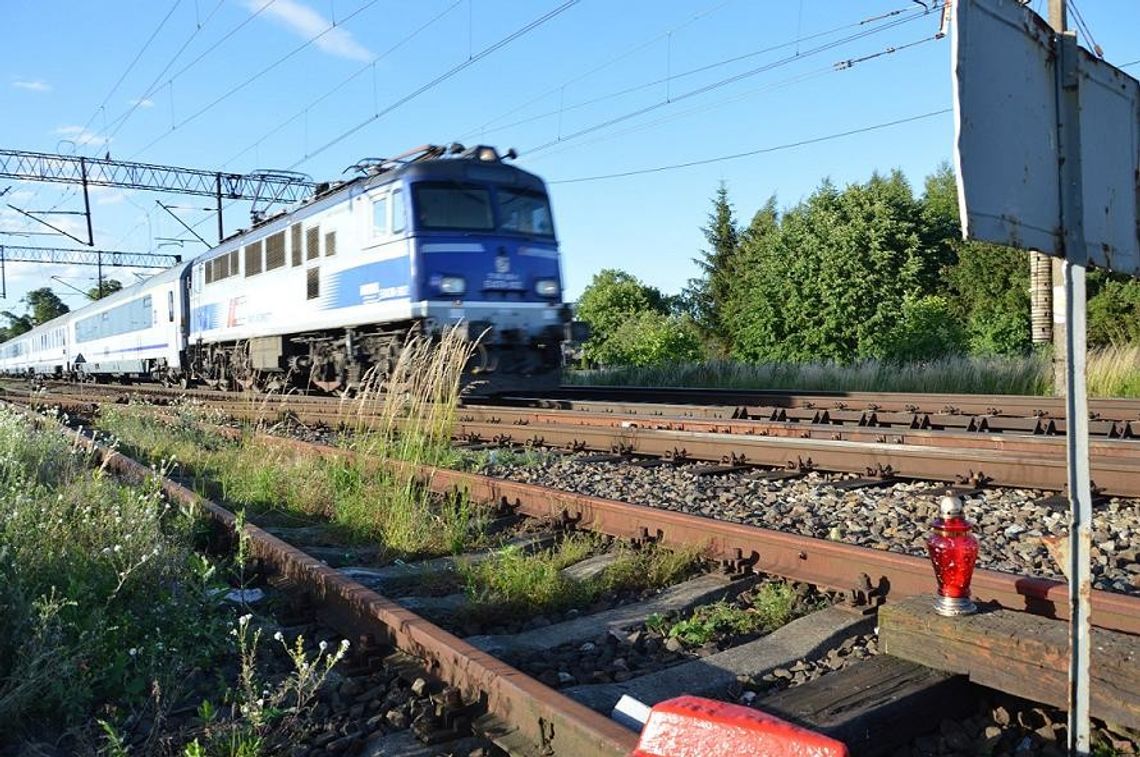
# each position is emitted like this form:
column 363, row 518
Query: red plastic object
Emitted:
column 695, row 727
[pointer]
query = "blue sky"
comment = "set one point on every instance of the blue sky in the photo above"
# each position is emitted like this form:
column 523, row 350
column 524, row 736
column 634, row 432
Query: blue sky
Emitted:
column 601, row 87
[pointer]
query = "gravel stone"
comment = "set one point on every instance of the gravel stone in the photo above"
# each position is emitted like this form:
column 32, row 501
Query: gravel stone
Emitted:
column 1010, row 523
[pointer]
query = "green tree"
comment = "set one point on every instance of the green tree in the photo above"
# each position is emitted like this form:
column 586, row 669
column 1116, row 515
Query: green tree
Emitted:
column 45, row 305
column 987, row 285
column 829, row 279
column 651, row 338
column 632, row 323
column 708, row 295
column 1114, row 310
column 17, row 324
column 108, row 287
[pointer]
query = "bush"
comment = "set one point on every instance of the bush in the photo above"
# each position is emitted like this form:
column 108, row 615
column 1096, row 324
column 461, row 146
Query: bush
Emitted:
column 650, row 338
column 926, row 330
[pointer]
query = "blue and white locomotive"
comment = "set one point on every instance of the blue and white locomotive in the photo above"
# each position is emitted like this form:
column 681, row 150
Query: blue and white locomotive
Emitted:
column 329, row 290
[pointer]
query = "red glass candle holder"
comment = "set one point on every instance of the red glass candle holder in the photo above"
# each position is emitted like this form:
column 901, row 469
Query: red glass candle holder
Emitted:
column 953, row 552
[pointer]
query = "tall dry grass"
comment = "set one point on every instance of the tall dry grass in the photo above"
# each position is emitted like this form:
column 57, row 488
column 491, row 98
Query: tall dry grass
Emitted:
column 1112, row 372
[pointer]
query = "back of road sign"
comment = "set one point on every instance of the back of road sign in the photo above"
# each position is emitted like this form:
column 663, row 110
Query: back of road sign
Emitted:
column 1006, row 150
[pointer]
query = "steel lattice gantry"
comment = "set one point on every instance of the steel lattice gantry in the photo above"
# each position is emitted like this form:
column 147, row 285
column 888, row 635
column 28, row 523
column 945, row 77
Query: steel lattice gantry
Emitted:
column 64, row 256
column 19, row 254
column 258, row 186
column 265, row 187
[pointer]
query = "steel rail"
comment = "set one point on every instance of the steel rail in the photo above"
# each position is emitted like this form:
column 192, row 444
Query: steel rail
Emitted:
column 1112, row 475
column 972, row 404
column 334, row 411
column 1022, row 461
column 551, row 722
column 822, row 562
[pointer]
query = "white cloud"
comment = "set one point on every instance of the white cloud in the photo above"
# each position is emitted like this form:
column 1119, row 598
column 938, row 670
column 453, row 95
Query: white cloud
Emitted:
column 141, row 102
column 81, row 136
column 32, row 85
column 307, row 23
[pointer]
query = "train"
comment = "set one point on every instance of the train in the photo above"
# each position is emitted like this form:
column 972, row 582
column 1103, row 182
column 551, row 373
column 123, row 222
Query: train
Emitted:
column 325, row 293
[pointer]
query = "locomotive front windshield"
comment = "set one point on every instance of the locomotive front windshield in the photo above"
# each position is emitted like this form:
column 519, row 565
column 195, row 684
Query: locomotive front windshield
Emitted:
column 525, row 212
column 460, row 206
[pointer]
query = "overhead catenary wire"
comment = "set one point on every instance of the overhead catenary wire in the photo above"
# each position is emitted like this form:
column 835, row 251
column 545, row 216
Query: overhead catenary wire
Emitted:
column 600, row 67
column 344, row 82
column 130, row 66
column 752, row 153
column 157, row 83
column 490, row 49
column 787, row 60
column 915, row 13
column 440, row 79
column 254, row 77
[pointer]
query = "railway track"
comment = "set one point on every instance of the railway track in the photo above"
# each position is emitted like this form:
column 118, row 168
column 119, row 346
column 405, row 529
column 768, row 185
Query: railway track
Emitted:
column 521, row 713
column 914, row 449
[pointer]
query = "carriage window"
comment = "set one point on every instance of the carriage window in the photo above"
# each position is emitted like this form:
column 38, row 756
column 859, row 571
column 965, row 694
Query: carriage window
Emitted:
column 525, row 212
column 398, row 212
column 380, row 216
column 453, row 205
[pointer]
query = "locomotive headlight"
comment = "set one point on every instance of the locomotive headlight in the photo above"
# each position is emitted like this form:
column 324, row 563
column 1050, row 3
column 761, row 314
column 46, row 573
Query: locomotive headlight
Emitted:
column 452, row 285
column 546, row 287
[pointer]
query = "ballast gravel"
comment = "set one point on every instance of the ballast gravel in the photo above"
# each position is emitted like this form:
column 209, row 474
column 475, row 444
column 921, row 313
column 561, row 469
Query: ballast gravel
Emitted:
column 1010, row 523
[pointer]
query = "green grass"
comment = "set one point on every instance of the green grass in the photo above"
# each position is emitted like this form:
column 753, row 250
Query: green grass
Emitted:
column 1029, row 375
column 1112, row 372
column 514, row 584
column 103, row 596
column 772, row 606
column 362, row 501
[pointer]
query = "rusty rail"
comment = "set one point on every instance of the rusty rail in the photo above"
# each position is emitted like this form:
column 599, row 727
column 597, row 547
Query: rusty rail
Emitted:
column 1116, row 408
column 551, row 722
column 1003, row 460
column 801, row 558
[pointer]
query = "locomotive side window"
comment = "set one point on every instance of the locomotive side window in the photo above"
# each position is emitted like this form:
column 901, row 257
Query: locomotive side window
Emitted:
column 253, row 259
column 234, row 264
column 170, row 305
column 313, row 243
column 313, row 283
column 275, row 251
column 399, row 214
column 295, row 243
column 453, row 206
column 525, row 212
column 380, row 216
column 330, row 244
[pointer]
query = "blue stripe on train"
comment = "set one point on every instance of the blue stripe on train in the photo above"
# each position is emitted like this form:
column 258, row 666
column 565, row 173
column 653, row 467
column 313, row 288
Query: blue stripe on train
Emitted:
column 375, row 282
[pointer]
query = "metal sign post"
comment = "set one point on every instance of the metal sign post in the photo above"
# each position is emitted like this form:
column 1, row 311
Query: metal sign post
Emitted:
column 1074, row 267
column 1048, row 158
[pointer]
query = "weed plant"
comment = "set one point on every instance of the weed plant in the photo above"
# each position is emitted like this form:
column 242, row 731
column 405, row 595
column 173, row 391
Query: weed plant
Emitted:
column 104, row 602
column 513, row 584
column 773, row 605
column 406, row 414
